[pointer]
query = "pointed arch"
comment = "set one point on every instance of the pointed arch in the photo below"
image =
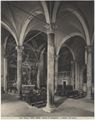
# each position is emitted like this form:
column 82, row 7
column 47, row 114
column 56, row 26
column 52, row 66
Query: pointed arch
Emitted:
column 46, row 12
column 55, row 9
column 10, row 30
column 68, row 37
column 71, row 51
column 25, row 25
column 5, row 43
column 82, row 21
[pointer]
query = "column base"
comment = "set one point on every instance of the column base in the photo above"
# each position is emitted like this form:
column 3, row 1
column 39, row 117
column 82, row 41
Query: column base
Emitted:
column 49, row 108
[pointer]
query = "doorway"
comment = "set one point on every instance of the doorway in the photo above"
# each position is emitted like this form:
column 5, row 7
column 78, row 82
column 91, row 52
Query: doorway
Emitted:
column 64, row 85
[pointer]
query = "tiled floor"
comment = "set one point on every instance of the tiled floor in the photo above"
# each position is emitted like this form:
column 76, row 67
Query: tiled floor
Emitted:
column 11, row 107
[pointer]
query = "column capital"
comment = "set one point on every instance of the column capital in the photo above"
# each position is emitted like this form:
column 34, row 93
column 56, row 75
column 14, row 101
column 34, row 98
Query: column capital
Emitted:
column 51, row 28
column 19, row 48
column 89, row 48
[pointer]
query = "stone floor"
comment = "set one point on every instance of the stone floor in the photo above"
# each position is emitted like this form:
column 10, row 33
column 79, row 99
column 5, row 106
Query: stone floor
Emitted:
column 11, row 107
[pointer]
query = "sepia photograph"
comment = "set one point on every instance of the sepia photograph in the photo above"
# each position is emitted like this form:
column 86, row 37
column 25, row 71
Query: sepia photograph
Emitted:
column 47, row 59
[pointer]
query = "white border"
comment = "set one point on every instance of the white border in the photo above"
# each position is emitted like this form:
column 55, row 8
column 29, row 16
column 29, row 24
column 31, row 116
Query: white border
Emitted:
column 44, row 118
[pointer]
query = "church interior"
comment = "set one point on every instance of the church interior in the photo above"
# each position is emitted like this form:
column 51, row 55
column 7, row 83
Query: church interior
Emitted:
column 47, row 58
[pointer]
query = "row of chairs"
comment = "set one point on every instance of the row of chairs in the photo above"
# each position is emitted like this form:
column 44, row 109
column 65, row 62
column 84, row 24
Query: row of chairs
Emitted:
column 70, row 93
column 76, row 94
column 34, row 96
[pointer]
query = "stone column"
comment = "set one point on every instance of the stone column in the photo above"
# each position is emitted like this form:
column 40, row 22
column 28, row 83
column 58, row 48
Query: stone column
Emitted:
column 84, row 85
column 89, row 71
column 29, row 74
column 85, row 55
column 81, row 79
column 5, row 73
column 56, row 73
column 40, row 74
column 19, row 69
column 50, row 71
column 72, row 73
column 76, row 75
column 38, row 79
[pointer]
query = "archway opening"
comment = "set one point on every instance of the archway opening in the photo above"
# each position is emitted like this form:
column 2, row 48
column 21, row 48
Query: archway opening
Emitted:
column 34, row 61
column 64, row 69
column 10, row 61
column 71, row 65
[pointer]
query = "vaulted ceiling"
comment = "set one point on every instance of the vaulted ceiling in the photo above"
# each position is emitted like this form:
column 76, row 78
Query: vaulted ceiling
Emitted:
column 66, row 21
column 25, row 19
